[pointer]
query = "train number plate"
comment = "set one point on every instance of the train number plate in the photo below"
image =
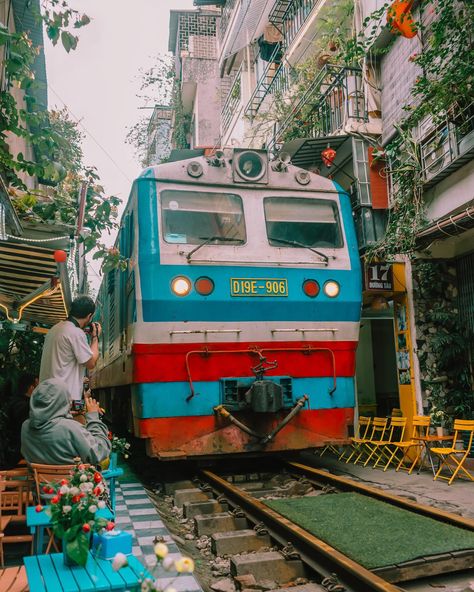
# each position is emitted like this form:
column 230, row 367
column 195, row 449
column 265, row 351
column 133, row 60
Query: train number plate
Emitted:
column 258, row 287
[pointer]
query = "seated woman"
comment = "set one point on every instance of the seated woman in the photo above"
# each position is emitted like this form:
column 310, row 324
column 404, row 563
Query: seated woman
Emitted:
column 51, row 436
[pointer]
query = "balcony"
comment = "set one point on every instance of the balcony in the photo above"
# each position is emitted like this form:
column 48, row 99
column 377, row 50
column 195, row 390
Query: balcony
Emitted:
column 226, row 14
column 334, row 99
column 289, row 16
column 445, row 147
column 276, row 78
column 232, row 101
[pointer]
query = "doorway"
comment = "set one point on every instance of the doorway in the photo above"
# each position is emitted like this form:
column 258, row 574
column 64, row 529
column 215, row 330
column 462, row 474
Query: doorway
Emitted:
column 376, row 366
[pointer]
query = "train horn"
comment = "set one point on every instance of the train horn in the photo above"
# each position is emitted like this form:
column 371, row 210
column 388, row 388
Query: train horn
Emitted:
column 281, row 162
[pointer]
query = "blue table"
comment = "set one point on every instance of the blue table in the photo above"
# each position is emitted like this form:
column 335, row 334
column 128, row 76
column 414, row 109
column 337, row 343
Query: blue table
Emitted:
column 38, row 521
column 48, row 573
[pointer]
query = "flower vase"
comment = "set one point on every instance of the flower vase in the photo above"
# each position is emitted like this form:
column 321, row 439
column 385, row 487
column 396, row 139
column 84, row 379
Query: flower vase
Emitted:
column 67, row 560
column 113, row 461
column 440, row 431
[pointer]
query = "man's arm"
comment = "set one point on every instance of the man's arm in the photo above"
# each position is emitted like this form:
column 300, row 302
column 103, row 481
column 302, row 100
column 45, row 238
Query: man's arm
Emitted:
column 94, row 345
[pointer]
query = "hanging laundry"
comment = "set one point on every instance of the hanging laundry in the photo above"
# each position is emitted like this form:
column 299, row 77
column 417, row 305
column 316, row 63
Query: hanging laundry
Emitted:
column 269, row 52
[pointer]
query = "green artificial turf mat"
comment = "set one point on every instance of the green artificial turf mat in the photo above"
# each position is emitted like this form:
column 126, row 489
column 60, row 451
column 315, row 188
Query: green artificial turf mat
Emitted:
column 371, row 532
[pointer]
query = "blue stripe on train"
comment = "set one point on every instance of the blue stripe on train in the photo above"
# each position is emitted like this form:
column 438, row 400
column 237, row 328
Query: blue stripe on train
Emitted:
column 168, row 399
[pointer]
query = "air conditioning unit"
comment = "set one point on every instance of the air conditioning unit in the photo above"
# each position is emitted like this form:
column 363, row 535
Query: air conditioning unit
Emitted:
column 435, row 152
column 423, row 128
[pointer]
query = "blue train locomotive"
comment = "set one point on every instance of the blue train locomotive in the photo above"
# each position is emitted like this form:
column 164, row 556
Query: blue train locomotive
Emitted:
column 234, row 329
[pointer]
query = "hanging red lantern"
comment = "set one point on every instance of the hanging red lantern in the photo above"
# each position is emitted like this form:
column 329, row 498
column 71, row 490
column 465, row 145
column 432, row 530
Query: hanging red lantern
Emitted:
column 400, row 19
column 60, row 256
column 328, row 155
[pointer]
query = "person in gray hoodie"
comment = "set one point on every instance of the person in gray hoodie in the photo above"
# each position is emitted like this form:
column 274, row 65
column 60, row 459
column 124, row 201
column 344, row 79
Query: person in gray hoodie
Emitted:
column 51, row 436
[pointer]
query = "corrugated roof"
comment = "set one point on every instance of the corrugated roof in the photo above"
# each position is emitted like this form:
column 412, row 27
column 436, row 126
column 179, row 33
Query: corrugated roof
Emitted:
column 30, row 273
column 26, row 14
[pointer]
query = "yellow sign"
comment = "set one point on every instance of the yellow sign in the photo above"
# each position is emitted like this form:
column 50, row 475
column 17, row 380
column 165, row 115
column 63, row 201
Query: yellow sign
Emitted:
column 258, row 287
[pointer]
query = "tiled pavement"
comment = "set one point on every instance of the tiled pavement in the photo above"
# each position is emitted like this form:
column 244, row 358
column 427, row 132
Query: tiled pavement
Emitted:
column 136, row 514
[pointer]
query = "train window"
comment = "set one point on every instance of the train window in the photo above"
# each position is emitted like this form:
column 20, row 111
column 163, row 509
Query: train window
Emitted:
column 302, row 222
column 191, row 217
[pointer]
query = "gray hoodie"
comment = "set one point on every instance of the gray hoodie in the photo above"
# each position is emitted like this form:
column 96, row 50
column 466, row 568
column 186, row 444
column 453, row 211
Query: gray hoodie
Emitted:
column 52, row 437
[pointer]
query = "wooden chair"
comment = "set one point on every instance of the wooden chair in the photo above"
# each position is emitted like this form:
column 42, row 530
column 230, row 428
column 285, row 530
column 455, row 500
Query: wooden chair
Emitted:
column 14, row 497
column 420, row 429
column 448, row 456
column 48, row 474
column 383, row 449
column 377, row 432
column 360, row 436
column 13, row 579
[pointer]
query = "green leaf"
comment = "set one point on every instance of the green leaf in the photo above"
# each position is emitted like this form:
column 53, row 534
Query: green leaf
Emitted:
column 69, row 41
column 78, row 549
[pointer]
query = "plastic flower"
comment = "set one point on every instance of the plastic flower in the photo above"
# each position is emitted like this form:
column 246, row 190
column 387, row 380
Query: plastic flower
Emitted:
column 92, row 508
column 161, row 550
column 168, row 563
column 83, row 478
column 101, row 504
column 184, row 565
column 120, row 560
column 67, row 509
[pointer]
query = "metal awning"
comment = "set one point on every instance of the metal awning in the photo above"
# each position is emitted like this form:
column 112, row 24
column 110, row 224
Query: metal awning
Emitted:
column 447, row 227
column 33, row 287
column 306, row 152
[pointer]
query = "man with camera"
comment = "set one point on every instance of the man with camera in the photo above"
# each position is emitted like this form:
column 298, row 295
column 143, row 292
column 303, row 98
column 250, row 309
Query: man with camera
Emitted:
column 66, row 351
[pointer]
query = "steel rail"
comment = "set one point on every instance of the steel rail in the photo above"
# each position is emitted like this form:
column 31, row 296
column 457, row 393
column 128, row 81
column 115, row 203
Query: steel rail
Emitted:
column 395, row 500
column 316, row 553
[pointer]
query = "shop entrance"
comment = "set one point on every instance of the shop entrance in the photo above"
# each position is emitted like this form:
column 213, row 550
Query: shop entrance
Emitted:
column 376, row 365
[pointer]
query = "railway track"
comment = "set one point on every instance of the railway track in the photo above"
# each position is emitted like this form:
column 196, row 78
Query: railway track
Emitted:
column 225, row 508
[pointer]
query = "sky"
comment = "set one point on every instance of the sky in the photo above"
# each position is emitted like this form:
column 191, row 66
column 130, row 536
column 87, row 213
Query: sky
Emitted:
column 98, row 82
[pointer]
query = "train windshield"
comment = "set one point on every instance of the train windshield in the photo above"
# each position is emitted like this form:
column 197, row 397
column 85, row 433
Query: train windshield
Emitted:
column 302, row 222
column 191, row 217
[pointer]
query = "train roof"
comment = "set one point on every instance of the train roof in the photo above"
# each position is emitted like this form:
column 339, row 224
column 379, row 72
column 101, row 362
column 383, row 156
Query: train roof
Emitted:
column 225, row 170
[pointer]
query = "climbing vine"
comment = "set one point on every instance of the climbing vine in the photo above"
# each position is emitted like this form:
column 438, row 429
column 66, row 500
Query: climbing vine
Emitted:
column 444, row 89
column 441, row 343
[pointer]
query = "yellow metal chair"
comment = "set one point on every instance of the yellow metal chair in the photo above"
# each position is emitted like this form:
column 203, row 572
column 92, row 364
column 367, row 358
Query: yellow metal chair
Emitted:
column 360, row 436
column 383, row 449
column 448, row 456
column 377, row 432
column 420, row 429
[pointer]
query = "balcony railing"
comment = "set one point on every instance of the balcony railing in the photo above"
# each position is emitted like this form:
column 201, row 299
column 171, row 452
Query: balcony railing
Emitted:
column 226, row 14
column 275, row 79
column 294, row 18
column 332, row 100
column 447, row 146
column 232, row 101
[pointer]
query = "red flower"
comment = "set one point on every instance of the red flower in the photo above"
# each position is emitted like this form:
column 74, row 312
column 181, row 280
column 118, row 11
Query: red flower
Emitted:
column 75, row 499
column 97, row 490
column 63, row 482
column 110, row 436
column 55, row 499
column 86, row 527
column 81, row 467
column 39, row 508
column 109, row 526
column 97, row 477
column 82, row 494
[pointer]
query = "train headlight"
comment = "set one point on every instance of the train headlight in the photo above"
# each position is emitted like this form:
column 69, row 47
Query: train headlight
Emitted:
column 250, row 165
column 311, row 288
column 204, row 286
column 331, row 289
column 181, row 286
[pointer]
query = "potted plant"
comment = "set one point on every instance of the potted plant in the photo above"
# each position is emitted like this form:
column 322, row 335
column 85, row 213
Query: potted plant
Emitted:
column 74, row 507
column 119, row 446
column 439, row 420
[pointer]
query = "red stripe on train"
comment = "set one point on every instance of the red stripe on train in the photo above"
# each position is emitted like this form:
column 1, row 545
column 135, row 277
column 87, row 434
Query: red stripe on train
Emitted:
column 167, row 363
column 211, row 436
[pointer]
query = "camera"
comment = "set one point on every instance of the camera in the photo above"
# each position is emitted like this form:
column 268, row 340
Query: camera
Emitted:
column 78, row 405
column 89, row 328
